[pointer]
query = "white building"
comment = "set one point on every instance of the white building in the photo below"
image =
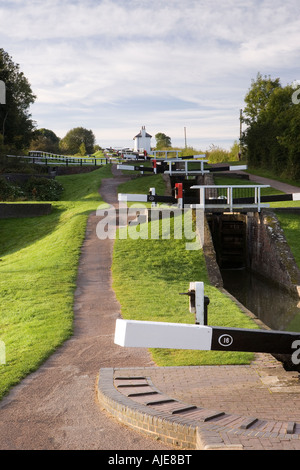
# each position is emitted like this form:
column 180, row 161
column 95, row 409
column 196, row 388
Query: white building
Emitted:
column 142, row 141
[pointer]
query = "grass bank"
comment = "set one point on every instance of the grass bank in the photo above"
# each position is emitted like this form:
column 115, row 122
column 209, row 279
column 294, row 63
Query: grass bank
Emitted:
column 149, row 275
column 38, row 268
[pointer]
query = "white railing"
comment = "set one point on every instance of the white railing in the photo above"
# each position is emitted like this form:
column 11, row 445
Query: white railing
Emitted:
column 185, row 168
column 231, row 197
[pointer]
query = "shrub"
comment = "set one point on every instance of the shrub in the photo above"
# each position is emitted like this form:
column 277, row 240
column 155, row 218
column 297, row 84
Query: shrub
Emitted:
column 218, row 155
column 43, row 189
column 9, row 191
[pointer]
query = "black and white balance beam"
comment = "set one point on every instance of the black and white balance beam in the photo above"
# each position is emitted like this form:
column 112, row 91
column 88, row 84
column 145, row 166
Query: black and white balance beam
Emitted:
column 270, row 198
column 135, row 168
column 143, row 334
column 146, row 198
column 162, row 167
column 228, row 168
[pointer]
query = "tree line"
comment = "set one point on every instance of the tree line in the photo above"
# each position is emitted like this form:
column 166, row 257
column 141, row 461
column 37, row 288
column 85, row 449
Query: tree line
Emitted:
column 77, row 141
column 272, row 118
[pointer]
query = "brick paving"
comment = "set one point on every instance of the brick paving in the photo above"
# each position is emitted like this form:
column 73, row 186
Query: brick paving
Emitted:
column 253, row 407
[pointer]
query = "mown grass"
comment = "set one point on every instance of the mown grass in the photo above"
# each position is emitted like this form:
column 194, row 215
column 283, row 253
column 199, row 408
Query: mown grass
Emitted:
column 268, row 173
column 148, row 277
column 228, row 180
column 141, row 185
column 38, row 269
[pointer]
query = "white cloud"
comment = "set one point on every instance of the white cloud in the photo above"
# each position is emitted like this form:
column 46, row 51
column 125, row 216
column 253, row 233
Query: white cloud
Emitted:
column 117, row 65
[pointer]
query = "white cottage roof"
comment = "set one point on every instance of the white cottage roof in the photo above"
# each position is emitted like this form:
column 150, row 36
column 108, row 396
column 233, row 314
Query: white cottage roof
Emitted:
column 140, row 135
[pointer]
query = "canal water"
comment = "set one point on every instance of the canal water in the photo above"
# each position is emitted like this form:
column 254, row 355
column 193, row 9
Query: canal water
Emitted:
column 275, row 307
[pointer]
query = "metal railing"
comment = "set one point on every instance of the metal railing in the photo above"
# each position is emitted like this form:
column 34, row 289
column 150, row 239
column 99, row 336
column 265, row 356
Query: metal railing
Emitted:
column 44, row 158
column 177, row 167
column 231, row 197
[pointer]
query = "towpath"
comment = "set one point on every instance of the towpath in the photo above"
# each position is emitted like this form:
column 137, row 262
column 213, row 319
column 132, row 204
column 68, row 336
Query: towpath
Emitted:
column 284, row 187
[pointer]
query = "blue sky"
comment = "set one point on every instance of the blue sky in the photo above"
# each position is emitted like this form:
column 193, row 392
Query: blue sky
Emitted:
column 113, row 66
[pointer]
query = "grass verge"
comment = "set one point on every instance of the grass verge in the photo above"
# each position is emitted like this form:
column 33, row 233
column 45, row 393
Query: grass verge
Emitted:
column 38, row 269
column 148, row 276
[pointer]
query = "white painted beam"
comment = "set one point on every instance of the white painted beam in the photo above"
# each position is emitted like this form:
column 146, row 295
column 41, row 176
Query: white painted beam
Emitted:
column 147, row 334
column 132, row 197
column 125, row 167
column 238, row 167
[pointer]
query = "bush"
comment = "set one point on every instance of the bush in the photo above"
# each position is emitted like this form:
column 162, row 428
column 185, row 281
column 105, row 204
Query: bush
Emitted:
column 38, row 189
column 9, row 191
column 43, row 189
column 218, row 155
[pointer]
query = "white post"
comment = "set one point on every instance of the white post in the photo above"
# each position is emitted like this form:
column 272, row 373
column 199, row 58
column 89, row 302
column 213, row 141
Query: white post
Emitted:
column 152, row 192
column 229, row 197
column 202, row 197
column 198, row 307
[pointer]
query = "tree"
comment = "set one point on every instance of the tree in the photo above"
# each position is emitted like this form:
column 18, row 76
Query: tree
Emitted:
column 272, row 136
column 162, row 141
column 45, row 140
column 75, row 138
column 82, row 149
column 16, row 125
column 258, row 96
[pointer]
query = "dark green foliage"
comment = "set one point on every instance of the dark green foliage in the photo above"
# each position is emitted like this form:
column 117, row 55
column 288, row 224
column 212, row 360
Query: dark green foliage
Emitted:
column 16, row 125
column 162, row 141
column 43, row 189
column 35, row 189
column 272, row 139
column 72, row 141
column 45, row 140
column 9, row 192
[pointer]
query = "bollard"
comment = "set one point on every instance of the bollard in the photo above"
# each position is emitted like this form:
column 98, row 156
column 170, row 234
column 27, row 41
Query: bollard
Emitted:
column 198, row 302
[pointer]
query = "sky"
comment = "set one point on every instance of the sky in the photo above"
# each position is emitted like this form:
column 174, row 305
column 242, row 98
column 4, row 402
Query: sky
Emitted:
column 182, row 68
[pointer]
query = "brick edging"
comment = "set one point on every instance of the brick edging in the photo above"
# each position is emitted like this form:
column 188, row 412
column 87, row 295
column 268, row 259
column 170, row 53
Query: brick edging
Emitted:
column 140, row 417
column 178, row 431
column 181, row 425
